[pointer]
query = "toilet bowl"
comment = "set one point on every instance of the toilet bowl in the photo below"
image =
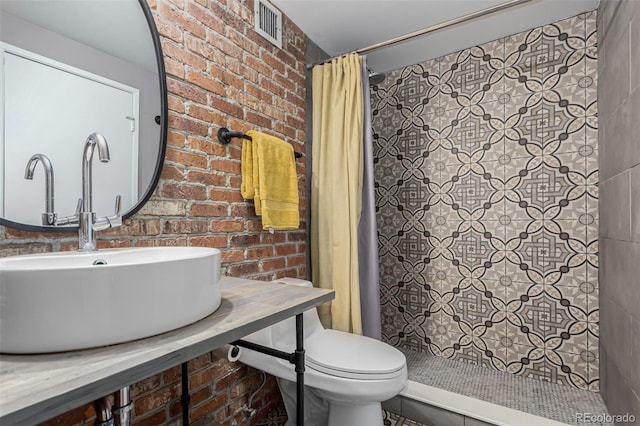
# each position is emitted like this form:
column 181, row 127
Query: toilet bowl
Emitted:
column 346, row 376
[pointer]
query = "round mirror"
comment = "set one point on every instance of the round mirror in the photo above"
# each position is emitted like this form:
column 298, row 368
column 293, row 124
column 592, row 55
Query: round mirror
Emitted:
column 71, row 68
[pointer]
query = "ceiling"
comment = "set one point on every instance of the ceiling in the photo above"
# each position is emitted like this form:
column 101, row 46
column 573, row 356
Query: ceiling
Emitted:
column 342, row 26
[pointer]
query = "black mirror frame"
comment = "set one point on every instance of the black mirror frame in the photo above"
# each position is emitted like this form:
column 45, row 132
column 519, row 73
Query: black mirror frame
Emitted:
column 164, row 112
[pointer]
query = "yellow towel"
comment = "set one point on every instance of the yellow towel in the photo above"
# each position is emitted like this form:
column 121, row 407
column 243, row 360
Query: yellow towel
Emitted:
column 269, row 178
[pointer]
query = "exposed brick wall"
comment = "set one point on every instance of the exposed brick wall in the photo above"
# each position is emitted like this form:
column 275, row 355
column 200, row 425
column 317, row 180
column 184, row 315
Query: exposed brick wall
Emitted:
column 220, row 73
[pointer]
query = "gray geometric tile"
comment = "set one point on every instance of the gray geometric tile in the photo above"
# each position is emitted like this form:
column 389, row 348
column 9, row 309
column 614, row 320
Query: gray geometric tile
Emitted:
column 486, row 172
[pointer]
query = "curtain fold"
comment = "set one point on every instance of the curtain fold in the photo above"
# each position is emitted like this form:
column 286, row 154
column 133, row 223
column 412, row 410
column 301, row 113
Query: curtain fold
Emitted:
column 336, row 188
column 367, row 229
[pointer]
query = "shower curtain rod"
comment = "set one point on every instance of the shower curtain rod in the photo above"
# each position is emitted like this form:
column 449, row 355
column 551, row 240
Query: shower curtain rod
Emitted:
column 436, row 27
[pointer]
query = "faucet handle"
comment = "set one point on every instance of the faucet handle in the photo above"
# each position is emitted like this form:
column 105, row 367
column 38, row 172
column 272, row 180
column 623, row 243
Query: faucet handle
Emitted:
column 110, row 221
column 118, row 207
column 70, row 220
column 78, row 207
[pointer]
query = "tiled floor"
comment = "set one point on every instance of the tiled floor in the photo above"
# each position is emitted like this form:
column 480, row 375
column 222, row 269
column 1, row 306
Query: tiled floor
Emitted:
column 549, row 400
column 392, row 419
column 278, row 417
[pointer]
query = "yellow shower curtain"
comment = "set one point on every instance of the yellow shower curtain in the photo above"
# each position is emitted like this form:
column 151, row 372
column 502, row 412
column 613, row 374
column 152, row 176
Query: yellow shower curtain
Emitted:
column 336, row 188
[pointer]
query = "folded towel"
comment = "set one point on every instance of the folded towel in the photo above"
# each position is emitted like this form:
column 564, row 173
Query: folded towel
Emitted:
column 269, row 178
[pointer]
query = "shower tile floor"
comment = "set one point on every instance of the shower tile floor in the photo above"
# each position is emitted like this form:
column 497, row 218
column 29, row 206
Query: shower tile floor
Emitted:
column 549, row 400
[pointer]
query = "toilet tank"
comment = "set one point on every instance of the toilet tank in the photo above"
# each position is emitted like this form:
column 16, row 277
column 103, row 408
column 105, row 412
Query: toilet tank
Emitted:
column 282, row 335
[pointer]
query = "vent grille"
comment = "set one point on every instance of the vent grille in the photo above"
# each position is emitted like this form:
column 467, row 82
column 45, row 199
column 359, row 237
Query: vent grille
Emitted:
column 268, row 22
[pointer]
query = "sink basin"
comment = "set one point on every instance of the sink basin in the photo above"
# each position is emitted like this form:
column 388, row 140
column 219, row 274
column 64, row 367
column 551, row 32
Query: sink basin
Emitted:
column 70, row 300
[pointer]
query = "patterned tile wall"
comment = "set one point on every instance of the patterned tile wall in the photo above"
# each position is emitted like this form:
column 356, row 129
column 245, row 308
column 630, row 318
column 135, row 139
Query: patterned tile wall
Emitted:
column 486, row 179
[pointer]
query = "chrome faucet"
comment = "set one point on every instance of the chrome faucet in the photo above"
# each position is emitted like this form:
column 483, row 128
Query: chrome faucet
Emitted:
column 86, row 217
column 49, row 217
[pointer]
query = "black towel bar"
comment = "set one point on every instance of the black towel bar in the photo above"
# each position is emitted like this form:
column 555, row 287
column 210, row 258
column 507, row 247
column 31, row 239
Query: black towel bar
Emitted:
column 225, row 135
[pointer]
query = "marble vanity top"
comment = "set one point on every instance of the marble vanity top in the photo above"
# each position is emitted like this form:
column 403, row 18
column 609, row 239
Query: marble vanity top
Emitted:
column 34, row 388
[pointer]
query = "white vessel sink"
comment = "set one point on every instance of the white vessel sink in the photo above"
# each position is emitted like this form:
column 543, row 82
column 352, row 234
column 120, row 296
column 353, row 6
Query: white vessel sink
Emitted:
column 71, row 300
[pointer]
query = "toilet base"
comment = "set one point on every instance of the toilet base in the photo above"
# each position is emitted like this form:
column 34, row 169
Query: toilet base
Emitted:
column 325, row 411
column 355, row 415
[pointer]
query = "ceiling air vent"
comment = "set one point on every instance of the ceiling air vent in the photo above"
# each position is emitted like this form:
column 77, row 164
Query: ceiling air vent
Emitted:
column 268, row 21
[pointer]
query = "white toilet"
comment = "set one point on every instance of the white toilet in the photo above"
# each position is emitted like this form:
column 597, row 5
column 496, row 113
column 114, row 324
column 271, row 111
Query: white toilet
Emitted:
column 346, row 376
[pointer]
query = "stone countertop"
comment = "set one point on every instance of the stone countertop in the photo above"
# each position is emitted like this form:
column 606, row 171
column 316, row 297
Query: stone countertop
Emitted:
column 34, row 388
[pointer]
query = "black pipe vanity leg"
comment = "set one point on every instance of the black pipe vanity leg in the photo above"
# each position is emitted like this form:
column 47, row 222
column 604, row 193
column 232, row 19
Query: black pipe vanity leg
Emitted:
column 296, row 358
column 299, row 358
column 185, row 399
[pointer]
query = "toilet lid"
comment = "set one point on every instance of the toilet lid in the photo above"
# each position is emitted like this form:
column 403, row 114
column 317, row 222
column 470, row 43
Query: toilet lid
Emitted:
column 351, row 356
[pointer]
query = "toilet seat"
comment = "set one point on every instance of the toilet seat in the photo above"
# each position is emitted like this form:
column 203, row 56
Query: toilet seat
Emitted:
column 350, row 356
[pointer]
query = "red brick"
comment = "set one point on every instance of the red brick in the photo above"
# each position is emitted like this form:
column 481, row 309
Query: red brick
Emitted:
column 161, row 242
column 206, row 83
column 135, row 227
column 170, row 172
column 175, row 139
column 168, row 30
column 180, row 122
column 178, row 53
column 273, row 62
column 230, row 196
column 184, row 191
column 207, row 375
column 235, row 181
column 267, row 238
column 163, row 208
column 171, row 375
column 263, row 95
column 208, row 115
column 77, row 416
column 188, row 91
column 200, row 396
column 207, row 146
column 228, row 18
column 15, row 233
column 176, row 104
column 185, row 226
column 208, row 407
column 157, row 399
column 259, row 120
column 111, row 243
column 296, row 260
column 271, row 265
column 225, row 381
column 208, row 209
column 216, row 241
column 233, row 81
column 296, row 236
column 243, row 269
column 216, row 71
column 177, row 17
column 259, row 66
column 231, row 225
column 254, row 225
column 229, row 256
column 186, row 158
column 284, row 82
column 173, row 67
column 260, row 252
column 286, row 250
column 155, row 419
column 244, row 240
column 226, row 107
column 206, row 18
column 224, row 165
column 269, row 85
column 206, row 178
column 145, row 385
